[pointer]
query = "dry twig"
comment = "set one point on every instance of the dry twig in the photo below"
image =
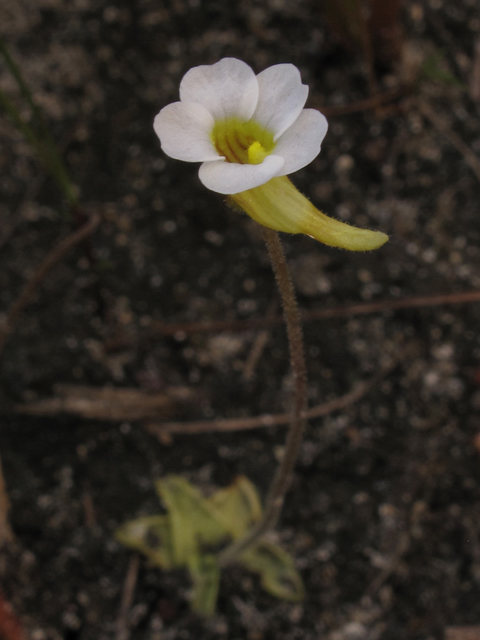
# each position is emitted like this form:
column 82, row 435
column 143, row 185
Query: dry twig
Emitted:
column 462, row 633
column 108, row 403
column 258, row 347
column 474, row 84
column 443, row 127
column 255, row 354
column 341, row 311
column 10, row 627
column 6, row 533
column 28, row 291
column 266, row 420
column 403, row 545
column 122, row 626
column 372, row 102
column 88, row 509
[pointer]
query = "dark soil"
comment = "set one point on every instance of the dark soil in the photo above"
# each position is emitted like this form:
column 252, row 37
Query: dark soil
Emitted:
column 383, row 517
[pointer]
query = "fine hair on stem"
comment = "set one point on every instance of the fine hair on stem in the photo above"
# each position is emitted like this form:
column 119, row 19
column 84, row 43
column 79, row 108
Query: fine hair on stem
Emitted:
column 283, row 475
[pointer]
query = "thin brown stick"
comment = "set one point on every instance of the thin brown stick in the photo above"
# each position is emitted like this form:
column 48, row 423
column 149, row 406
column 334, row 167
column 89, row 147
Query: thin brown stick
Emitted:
column 368, row 52
column 42, row 271
column 88, row 509
column 255, row 354
column 6, row 533
column 385, row 26
column 10, row 625
column 340, row 311
column 474, row 83
column 401, row 549
column 362, row 105
column 265, row 420
column 122, row 627
column 463, row 633
column 258, row 347
column 283, row 475
column 443, row 127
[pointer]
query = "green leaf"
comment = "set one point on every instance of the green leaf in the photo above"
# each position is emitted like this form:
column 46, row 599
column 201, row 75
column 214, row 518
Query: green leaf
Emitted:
column 206, row 581
column 194, row 523
column 152, row 537
column 277, row 570
column 237, row 507
column 38, row 136
column 191, row 519
column 435, row 68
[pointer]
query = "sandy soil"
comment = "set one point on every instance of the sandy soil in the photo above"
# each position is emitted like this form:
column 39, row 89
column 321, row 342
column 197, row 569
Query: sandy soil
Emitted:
column 383, row 516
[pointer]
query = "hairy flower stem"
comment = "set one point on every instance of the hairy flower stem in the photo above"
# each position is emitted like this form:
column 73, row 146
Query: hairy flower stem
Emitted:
column 283, row 475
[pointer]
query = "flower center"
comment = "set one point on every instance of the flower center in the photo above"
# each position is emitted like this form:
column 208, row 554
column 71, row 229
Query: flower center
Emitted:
column 242, row 142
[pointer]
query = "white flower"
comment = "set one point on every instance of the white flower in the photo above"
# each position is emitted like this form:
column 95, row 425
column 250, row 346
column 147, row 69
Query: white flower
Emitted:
column 245, row 129
column 249, row 132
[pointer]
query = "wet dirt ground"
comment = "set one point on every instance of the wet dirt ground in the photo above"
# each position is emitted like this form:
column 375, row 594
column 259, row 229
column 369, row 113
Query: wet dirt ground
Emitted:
column 383, row 517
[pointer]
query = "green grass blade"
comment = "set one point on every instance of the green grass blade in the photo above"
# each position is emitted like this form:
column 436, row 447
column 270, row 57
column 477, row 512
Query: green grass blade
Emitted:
column 41, row 139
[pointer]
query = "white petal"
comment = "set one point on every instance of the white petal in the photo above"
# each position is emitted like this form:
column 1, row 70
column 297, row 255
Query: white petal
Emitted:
column 301, row 143
column 184, row 130
column 229, row 177
column 227, row 88
column 281, row 98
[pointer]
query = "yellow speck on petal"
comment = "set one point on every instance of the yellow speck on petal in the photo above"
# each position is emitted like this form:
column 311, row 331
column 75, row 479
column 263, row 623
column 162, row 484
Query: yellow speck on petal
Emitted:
column 256, row 153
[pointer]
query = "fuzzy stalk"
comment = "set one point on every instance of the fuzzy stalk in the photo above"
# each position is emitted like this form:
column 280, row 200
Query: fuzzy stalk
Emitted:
column 283, row 474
